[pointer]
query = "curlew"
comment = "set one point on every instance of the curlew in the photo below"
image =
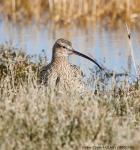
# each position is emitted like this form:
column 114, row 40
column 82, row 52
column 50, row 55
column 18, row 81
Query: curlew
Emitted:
column 62, row 74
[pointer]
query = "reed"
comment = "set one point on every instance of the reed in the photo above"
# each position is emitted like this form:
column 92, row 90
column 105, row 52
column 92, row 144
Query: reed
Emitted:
column 32, row 118
column 129, row 39
column 69, row 11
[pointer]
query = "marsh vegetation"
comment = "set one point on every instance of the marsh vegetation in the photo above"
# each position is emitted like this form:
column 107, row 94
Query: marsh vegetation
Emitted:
column 33, row 118
column 69, row 11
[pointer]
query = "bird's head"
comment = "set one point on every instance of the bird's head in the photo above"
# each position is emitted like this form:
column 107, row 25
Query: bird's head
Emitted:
column 63, row 48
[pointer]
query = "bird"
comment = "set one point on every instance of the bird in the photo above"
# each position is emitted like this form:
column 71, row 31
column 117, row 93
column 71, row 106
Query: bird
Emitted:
column 61, row 74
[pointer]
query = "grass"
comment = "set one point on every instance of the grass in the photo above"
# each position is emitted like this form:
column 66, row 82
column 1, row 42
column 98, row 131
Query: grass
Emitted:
column 64, row 11
column 31, row 117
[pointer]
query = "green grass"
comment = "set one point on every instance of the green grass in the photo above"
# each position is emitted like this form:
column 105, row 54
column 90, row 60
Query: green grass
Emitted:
column 34, row 118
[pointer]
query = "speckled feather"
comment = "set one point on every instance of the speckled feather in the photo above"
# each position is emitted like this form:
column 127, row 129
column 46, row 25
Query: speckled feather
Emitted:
column 59, row 72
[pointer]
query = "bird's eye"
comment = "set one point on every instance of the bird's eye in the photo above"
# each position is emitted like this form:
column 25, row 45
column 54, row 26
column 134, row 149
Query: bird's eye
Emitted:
column 64, row 47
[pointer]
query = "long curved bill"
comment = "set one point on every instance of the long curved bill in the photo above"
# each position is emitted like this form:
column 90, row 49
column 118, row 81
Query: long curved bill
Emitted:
column 82, row 55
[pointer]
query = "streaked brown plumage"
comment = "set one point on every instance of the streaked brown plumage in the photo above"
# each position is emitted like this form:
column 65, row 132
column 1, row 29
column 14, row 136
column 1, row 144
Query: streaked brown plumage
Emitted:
column 59, row 72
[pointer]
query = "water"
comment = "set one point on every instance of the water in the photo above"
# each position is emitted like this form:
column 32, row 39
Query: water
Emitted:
column 108, row 45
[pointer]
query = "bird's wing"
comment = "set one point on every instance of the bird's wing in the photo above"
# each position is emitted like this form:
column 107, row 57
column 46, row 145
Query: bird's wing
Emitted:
column 48, row 77
column 44, row 75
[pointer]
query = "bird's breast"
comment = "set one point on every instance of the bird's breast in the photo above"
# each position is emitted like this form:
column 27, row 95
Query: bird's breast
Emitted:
column 70, row 77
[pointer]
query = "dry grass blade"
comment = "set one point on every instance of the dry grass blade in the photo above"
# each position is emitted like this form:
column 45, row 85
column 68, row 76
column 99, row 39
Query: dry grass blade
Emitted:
column 129, row 39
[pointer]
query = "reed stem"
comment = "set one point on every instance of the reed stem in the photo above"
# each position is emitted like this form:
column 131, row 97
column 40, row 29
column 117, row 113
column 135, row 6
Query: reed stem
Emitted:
column 129, row 39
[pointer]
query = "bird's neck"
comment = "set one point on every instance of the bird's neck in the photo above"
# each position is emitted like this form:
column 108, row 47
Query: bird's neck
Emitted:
column 60, row 60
